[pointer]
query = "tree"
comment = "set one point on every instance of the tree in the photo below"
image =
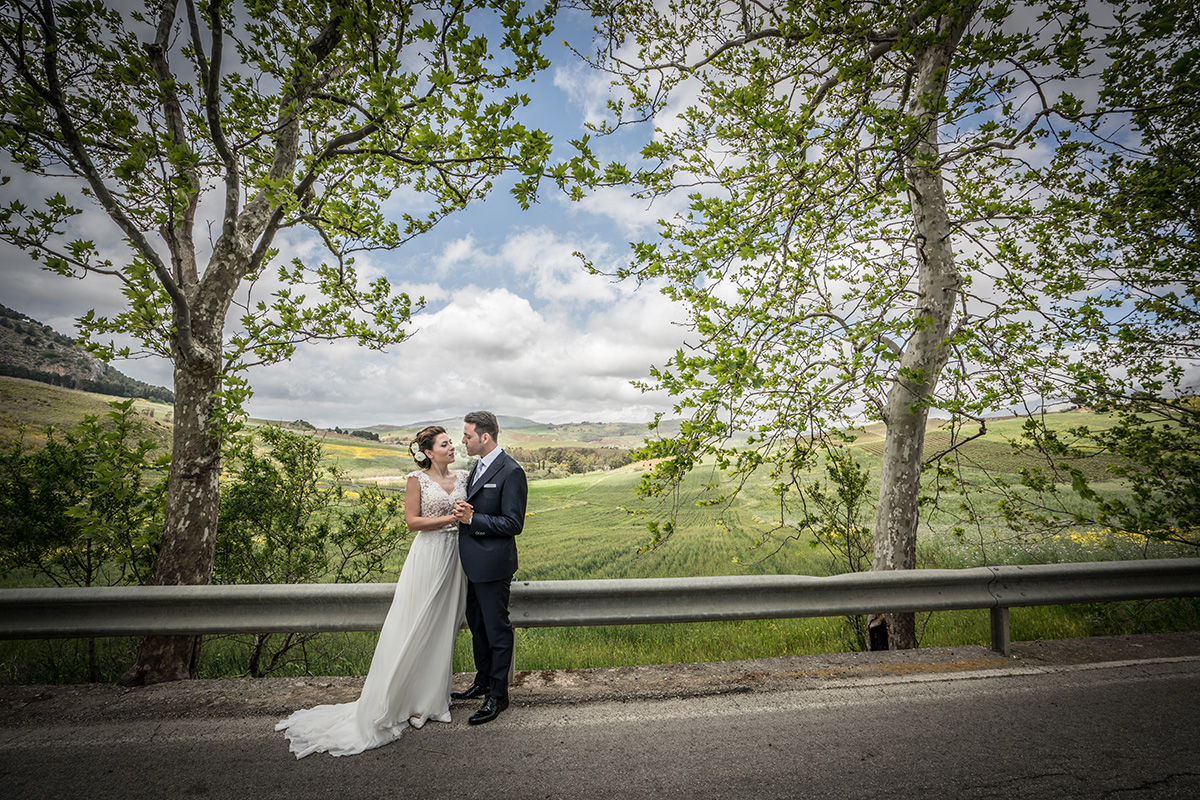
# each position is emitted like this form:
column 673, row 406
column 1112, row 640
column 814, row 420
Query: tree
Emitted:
column 298, row 116
column 1139, row 280
column 836, row 523
column 286, row 519
column 838, row 510
column 85, row 509
column 863, row 180
column 1151, row 447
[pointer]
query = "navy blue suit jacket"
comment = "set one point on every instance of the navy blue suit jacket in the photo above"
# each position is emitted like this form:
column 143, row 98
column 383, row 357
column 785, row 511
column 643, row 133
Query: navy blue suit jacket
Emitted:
column 487, row 547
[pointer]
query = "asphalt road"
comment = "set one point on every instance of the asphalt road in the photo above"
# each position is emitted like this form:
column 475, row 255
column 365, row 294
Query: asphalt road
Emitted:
column 945, row 724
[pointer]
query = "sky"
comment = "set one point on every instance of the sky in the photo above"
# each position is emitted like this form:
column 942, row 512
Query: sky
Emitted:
column 512, row 322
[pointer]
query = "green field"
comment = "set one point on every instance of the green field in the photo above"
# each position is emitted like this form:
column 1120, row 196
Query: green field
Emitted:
column 28, row 407
column 578, row 528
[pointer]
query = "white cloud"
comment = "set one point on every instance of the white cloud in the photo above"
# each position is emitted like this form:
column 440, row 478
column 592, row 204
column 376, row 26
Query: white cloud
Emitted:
column 635, row 218
column 454, row 254
column 557, row 274
column 588, row 89
column 486, row 348
column 475, row 347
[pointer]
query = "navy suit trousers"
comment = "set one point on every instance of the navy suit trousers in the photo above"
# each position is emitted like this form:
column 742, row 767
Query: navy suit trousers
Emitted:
column 491, row 633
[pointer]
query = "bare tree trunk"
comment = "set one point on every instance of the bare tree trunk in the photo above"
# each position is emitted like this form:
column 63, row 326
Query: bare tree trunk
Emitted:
column 200, row 306
column 927, row 351
column 256, row 651
column 896, row 520
column 190, row 533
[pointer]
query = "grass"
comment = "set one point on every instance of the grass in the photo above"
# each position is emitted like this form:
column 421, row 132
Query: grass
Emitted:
column 366, row 460
column 577, row 528
column 28, row 407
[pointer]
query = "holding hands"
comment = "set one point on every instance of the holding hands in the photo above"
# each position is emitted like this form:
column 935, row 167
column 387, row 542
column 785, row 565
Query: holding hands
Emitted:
column 463, row 512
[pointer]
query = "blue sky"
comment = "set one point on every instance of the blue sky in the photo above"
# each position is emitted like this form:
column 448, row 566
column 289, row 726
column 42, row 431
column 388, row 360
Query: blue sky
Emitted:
column 513, row 323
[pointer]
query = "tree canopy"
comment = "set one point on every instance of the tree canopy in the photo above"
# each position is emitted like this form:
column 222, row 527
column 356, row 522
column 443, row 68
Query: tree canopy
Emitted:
column 1128, row 296
column 876, row 194
column 215, row 136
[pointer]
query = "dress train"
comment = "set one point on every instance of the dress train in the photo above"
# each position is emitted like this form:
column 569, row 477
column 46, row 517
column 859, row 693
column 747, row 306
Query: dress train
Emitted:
column 411, row 671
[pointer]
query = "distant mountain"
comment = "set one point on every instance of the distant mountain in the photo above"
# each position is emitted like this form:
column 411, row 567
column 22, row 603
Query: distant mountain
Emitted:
column 526, row 433
column 31, row 350
column 506, row 424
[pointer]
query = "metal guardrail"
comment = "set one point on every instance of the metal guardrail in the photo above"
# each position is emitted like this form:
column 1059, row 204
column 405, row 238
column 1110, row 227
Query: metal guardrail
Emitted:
column 141, row 610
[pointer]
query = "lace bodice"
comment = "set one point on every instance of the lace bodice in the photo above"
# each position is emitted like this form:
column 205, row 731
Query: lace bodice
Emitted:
column 435, row 502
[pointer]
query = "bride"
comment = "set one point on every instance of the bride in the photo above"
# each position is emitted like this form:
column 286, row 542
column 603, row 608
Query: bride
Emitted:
column 409, row 679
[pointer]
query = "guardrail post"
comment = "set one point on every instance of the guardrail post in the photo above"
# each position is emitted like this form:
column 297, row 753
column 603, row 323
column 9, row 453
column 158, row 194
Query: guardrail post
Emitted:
column 1001, row 641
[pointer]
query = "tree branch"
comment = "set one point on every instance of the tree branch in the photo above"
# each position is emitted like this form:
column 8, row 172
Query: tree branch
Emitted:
column 178, row 233
column 52, row 94
column 877, row 337
column 210, row 75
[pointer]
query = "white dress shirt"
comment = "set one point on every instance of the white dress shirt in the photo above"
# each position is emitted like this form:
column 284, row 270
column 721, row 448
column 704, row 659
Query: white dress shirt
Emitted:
column 485, row 463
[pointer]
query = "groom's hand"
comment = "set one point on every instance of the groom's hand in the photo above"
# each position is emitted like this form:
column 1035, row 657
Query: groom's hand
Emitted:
column 464, row 512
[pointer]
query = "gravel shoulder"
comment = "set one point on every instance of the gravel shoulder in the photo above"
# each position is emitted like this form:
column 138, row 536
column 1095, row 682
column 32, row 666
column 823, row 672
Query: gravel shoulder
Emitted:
column 231, row 697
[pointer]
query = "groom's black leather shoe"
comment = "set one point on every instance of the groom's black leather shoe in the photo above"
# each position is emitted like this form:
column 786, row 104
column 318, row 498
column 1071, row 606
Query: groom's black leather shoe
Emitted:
column 470, row 693
column 490, row 709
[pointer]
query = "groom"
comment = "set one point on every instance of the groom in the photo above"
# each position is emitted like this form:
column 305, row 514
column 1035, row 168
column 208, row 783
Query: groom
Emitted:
column 489, row 519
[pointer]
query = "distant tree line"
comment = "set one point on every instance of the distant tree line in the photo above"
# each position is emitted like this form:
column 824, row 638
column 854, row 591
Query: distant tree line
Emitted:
column 19, row 323
column 545, row 461
column 370, row 435
column 113, row 383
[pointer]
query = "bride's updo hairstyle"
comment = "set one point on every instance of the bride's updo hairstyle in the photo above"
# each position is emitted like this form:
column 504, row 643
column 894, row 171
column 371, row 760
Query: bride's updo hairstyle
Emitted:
column 424, row 441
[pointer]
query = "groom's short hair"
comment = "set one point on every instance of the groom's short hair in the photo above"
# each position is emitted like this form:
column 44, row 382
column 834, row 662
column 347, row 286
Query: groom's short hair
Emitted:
column 484, row 422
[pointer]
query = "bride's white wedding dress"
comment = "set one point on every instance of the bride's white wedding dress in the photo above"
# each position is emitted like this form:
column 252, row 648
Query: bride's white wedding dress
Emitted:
column 409, row 679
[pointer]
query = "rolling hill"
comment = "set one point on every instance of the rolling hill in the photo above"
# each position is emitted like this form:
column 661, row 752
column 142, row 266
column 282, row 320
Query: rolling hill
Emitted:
column 30, row 406
column 37, row 352
column 527, row 433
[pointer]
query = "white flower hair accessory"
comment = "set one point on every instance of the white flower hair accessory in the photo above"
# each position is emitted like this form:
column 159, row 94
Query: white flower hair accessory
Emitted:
column 417, row 453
